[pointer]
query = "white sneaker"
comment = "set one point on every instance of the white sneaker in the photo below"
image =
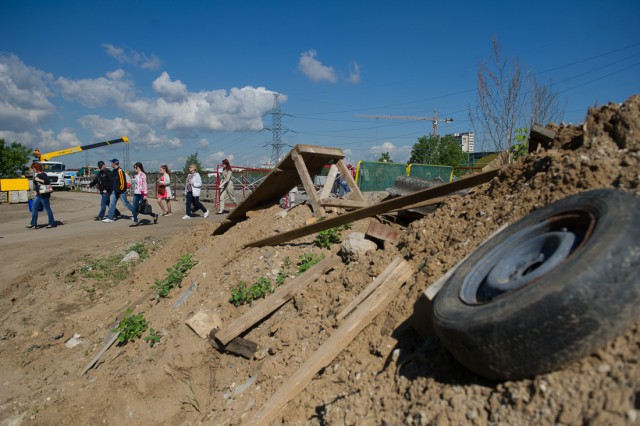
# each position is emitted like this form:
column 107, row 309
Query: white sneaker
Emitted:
column 107, row 220
column 186, row 217
column 206, row 214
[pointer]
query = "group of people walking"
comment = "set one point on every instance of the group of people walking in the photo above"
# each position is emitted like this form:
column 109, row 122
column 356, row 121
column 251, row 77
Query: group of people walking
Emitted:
column 113, row 186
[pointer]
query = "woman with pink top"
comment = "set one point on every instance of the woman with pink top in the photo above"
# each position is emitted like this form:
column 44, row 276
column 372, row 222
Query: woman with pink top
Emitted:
column 140, row 193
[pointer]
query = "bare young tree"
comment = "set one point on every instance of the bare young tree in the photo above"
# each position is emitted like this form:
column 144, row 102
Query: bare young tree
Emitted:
column 509, row 99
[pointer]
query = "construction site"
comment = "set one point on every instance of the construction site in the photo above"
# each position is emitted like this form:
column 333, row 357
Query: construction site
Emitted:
column 364, row 309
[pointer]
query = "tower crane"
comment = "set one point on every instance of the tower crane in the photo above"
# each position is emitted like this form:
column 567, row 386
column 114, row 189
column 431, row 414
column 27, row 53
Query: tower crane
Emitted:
column 435, row 119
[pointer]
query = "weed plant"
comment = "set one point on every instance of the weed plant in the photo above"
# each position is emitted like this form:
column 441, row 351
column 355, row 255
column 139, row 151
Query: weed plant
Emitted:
column 112, row 270
column 131, row 328
column 174, row 277
column 326, row 238
column 153, row 337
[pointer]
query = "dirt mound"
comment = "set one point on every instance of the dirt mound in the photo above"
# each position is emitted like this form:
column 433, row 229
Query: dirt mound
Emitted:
column 387, row 375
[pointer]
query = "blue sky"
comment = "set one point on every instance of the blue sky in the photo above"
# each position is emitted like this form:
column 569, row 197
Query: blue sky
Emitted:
column 200, row 76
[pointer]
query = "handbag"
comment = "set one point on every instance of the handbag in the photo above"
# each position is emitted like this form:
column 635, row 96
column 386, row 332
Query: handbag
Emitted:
column 144, row 207
column 45, row 189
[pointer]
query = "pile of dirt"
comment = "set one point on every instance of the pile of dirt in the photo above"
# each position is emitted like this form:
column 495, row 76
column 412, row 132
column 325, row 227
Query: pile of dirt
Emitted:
column 387, row 375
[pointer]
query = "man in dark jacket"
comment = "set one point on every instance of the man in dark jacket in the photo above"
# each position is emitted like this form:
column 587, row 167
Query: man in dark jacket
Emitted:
column 119, row 193
column 104, row 180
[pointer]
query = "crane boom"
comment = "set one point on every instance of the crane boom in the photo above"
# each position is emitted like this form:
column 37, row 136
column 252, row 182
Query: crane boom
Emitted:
column 49, row 155
column 435, row 119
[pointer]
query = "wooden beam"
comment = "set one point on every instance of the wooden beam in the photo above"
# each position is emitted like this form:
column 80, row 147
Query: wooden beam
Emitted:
column 332, row 347
column 345, row 204
column 298, row 161
column 344, row 171
column 383, row 207
column 237, row 346
column 369, row 289
column 274, row 301
column 328, row 185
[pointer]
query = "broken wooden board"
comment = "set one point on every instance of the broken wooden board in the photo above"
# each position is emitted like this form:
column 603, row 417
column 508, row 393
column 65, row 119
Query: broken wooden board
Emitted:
column 383, row 207
column 383, row 232
column 237, row 346
column 341, row 338
column 540, row 136
column 268, row 305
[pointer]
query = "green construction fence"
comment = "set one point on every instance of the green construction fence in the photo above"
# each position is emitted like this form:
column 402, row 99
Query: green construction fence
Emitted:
column 378, row 176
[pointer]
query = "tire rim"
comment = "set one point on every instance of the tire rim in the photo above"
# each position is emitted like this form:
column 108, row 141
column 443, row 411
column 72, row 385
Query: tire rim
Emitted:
column 526, row 256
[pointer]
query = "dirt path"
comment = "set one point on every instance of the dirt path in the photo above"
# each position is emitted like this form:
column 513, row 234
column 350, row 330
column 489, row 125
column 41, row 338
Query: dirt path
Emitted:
column 77, row 233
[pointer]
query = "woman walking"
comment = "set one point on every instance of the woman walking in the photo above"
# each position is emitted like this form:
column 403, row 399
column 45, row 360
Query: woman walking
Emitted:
column 140, row 193
column 194, row 183
column 164, row 190
column 226, row 187
column 43, row 195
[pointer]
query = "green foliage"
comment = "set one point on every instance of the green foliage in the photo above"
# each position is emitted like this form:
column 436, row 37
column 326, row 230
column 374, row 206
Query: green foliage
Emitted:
column 307, row 261
column 521, row 148
column 131, row 327
column 192, row 159
column 13, row 159
column 174, row 276
column 242, row 294
column 385, row 157
column 153, row 337
column 439, row 151
column 325, row 238
column 141, row 249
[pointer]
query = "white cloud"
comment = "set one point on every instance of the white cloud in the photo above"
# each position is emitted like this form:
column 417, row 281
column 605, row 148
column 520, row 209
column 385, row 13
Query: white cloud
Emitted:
column 98, row 92
column 24, row 95
column 313, row 68
column 398, row 154
column 354, row 73
column 172, row 90
column 140, row 60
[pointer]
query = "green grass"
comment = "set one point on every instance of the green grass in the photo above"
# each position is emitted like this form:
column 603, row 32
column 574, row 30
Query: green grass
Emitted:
column 112, row 270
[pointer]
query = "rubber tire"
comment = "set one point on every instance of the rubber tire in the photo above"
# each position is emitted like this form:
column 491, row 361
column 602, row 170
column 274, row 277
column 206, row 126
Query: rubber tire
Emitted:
column 564, row 315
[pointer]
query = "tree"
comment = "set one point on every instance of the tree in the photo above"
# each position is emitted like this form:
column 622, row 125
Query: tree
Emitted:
column 435, row 150
column 13, row 159
column 508, row 100
column 192, row 159
column 385, row 158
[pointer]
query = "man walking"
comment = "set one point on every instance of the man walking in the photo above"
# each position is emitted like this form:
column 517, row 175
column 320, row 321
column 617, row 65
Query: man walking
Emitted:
column 104, row 180
column 119, row 192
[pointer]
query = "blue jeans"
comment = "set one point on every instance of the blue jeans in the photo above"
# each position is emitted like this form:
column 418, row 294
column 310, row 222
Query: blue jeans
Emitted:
column 343, row 187
column 197, row 205
column 127, row 204
column 47, row 207
column 104, row 201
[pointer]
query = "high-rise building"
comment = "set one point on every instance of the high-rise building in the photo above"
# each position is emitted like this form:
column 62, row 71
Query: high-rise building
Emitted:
column 465, row 140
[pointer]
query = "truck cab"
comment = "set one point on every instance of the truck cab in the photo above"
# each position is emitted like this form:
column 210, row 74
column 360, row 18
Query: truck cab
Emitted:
column 55, row 172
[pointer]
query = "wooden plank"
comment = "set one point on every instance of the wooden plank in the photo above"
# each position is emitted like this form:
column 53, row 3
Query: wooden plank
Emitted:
column 274, row 301
column 383, row 207
column 369, row 289
column 346, row 204
column 328, row 185
column 344, row 171
column 237, row 346
column 383, row 232
column 318, row 210
column 331, row 348
column 111, row 341
column 540, row 136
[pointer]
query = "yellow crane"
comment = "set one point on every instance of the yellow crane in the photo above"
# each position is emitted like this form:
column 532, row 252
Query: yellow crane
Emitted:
column 49, row 155
column 435, row 119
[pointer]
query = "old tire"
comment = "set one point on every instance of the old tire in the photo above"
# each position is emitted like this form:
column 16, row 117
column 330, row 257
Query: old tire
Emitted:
column 548, row 290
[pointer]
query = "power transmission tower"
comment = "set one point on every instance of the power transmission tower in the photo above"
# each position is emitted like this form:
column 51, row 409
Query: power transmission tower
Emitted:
column 276, row 131
column 435, row 119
